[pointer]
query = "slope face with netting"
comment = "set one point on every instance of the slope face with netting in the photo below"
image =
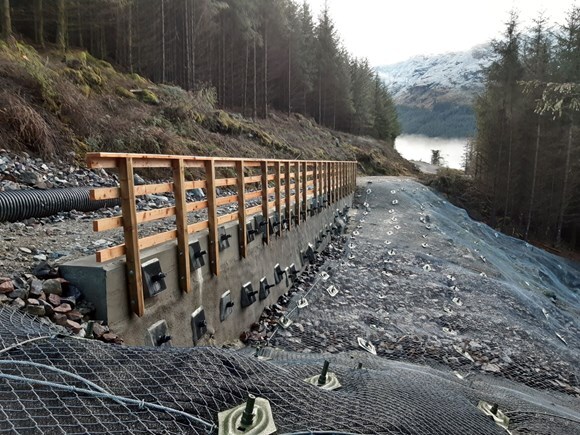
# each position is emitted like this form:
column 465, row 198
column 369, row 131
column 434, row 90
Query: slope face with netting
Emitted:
column 489, row 319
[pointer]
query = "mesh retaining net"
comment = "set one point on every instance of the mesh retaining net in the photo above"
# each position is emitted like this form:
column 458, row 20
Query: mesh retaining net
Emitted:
column 435, row 359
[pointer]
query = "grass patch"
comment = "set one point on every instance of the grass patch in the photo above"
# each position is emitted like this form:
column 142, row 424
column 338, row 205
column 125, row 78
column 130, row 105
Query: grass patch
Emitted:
column 26, row 126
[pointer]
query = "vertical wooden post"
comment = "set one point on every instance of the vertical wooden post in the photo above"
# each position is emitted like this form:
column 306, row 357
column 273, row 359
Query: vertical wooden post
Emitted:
column 337, row 177
column 130, row 230
column 305, row 189
column 337, row 165
column 343, row 179
column 265, row 212
column 328, row 185
column 278, row 171
column 242, row 233
column 288, row 195
column 316, row 186
column 181, row 220
column 322, row 181
column 297, row 192
column 350, row 177
column 338, row 181
column 333, row 181
column 214, row 253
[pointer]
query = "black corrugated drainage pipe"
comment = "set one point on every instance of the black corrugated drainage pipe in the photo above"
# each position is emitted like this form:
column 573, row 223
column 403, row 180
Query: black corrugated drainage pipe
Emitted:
column 16, row 205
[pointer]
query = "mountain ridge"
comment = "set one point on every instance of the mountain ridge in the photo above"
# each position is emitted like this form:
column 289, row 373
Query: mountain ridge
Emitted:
column 453, row 76
column 434, row 94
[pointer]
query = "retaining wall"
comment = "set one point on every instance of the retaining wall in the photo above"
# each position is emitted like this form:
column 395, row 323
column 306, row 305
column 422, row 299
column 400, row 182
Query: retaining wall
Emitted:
column 104, row 284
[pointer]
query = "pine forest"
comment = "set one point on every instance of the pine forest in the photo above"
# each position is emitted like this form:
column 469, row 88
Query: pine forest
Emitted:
column 526, row 153
column 258, row 55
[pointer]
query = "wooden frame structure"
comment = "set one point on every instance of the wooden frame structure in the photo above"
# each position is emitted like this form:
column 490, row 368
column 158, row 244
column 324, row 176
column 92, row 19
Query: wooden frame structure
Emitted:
column 278, row 184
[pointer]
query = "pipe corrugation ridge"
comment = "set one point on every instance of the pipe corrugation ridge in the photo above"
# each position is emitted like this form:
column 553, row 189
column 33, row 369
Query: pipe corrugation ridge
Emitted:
column 16, row 205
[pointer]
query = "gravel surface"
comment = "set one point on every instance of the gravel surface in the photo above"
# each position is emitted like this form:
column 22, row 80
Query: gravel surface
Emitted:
column 69, row 235
column 56, row 238
column 422, row 282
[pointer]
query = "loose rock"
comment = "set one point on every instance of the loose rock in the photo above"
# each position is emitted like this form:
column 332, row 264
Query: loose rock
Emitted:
column 74, row 326
column 52, row 286
column 63, row 309
column 6, row 285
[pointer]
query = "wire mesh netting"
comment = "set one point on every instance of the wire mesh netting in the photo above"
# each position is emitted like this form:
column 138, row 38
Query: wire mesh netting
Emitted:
column 419, row 281
column 61, row 384
column 440, row 350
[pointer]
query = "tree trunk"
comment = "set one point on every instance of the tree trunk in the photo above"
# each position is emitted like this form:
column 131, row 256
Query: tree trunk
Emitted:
column 246, row 67
column 496, row 171
column 92, row 48
column 255, row 108
column 187, row 45
column 193, row 40
column 320, row 98
column 38, row 23
column 61, row 26
column 130, row 37
column 163, row 54
column 103, row 43
column 119, row 25
column 334, row 114
column 79, row 24
column 509, row 171
column 304, row 97
column 223, row 71
column 564, row 201
column 232, row 83
column 533, row 194
column 289, row 75
column 6, row 20
column 265, row 69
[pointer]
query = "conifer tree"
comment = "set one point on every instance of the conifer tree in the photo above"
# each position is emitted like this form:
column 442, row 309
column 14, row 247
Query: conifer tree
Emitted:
column 258, row 55
column 6, row 19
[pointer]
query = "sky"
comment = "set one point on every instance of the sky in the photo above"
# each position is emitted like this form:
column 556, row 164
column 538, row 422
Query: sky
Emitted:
column 390, row 31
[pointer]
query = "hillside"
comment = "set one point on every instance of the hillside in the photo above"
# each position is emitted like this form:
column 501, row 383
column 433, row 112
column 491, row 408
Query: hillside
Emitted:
column 52, row 106
column 434, row 93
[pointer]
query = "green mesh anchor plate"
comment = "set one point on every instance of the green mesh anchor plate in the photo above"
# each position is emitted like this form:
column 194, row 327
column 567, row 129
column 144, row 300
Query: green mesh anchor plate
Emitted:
column 230, row 421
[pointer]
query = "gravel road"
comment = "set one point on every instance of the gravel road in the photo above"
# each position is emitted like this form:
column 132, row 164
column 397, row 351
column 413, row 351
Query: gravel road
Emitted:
column 422, row 282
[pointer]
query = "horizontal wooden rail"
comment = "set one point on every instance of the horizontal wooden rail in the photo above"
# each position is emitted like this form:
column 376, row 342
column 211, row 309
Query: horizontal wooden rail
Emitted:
column 289, row 188
column 147, row 189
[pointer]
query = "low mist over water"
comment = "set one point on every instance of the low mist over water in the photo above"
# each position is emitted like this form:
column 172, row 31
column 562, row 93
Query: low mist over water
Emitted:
column 415, row 147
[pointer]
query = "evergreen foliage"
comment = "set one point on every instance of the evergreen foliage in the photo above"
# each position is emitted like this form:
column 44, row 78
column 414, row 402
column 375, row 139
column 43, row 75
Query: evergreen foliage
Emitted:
column 257, row 54
column 526, row 153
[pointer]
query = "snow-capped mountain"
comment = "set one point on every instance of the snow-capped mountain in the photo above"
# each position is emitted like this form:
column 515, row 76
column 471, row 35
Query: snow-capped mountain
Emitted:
column 423, row 81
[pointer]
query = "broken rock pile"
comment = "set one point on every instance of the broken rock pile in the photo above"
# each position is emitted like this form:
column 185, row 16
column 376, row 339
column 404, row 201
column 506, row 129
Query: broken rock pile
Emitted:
column 21, row 171
column 44, row 294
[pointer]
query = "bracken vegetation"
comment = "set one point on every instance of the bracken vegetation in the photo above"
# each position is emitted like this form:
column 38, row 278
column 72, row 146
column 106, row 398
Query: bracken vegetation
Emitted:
column 259, row 55
column 199, row 77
